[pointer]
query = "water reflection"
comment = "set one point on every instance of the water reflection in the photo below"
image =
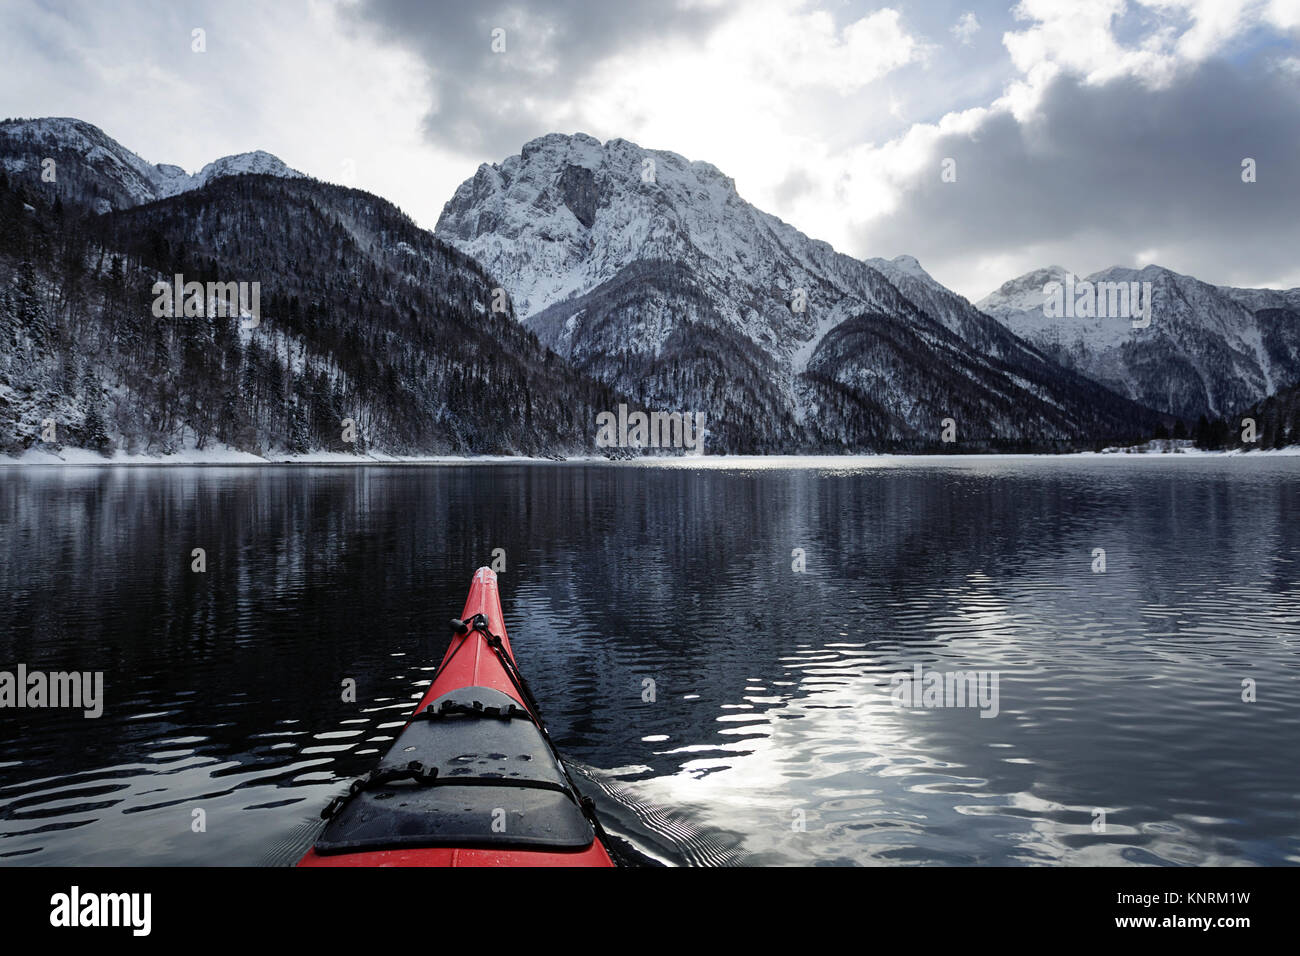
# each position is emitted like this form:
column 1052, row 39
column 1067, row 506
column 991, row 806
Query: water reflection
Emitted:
column 770, row 737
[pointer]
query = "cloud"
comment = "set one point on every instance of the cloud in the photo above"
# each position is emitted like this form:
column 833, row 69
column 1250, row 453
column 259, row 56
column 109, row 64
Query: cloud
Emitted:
column 966, row 28
column 490, row 100
column 796, row 50
column 1119, row 173
column 1085, row 38
column 294, row 79
column 1098, row 132
column 1117, row 135
column 1118, row 138
column 632, row 68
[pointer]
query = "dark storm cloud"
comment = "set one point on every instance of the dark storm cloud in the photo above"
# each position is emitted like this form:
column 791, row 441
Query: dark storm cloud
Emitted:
column 488, row 103
column 1109, row 171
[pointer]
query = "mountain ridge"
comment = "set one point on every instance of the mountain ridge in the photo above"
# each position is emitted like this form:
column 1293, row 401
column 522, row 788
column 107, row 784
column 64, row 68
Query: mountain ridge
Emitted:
column 564, row 220
column 1208, row 350
column 88, row 163
column 372, row 335
column 638, row 270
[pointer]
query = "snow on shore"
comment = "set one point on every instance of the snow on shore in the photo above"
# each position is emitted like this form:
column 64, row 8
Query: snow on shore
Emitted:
column 230, row 456
column 220, row 455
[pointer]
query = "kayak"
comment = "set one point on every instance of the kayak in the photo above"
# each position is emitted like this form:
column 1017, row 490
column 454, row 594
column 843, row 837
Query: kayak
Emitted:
column 473, row 779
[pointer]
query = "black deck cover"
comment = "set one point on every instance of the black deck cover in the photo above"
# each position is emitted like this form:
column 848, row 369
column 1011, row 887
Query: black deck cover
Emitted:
column 406, row 814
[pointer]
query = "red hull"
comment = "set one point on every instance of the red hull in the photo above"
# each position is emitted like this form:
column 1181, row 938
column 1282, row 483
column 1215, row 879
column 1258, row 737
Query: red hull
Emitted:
column 441, row 856
column 470, row 662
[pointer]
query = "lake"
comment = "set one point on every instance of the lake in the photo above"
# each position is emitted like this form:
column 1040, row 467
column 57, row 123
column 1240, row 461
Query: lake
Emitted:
column 718, row 647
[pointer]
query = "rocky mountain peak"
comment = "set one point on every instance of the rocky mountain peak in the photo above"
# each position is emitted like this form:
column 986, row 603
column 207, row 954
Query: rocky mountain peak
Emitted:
column 649, row 271
column 101, row 172
column 1207, row 349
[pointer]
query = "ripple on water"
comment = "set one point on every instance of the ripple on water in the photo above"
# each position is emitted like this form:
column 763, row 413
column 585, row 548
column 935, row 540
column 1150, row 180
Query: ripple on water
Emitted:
column 770, row 738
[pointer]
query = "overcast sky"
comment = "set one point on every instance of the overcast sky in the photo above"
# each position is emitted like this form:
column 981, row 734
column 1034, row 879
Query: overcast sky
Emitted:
column 1085, row 133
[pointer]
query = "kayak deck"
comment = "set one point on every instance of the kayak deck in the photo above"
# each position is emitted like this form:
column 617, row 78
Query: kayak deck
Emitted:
column 472, row 780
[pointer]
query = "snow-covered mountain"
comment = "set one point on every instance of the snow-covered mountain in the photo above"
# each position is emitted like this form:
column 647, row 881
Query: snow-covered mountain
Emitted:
column 360, row 317
column 648, row 275
column 96, row 170
column 650, row 272
column 1208, row 350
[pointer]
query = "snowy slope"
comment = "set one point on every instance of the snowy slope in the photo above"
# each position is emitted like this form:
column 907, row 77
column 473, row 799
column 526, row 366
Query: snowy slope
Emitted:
column 1209, row 349
column 568, row 214
column 364, row 317
column 648, row 273
column 670, row 286
column 92, row 168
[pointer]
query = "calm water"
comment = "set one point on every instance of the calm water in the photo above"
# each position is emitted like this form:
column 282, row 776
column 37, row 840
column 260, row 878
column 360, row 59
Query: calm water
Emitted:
column 771, row 737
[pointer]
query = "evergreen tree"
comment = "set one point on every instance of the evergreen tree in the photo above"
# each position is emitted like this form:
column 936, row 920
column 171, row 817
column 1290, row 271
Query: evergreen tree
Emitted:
column 28, row 308
column 96, row 433
column 299, row 434
column 1201, row 434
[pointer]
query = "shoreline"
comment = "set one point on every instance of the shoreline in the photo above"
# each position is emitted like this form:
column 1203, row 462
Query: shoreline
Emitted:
column 226, row 458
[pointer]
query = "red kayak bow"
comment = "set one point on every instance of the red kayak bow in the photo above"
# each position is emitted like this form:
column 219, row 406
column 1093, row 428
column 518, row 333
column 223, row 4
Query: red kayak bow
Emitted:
column 473, row 779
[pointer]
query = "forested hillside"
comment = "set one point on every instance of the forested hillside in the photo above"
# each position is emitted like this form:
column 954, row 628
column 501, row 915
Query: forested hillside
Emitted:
column 651, row 273
column 1276, row 425
column 363, row 316
column 372, row 335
